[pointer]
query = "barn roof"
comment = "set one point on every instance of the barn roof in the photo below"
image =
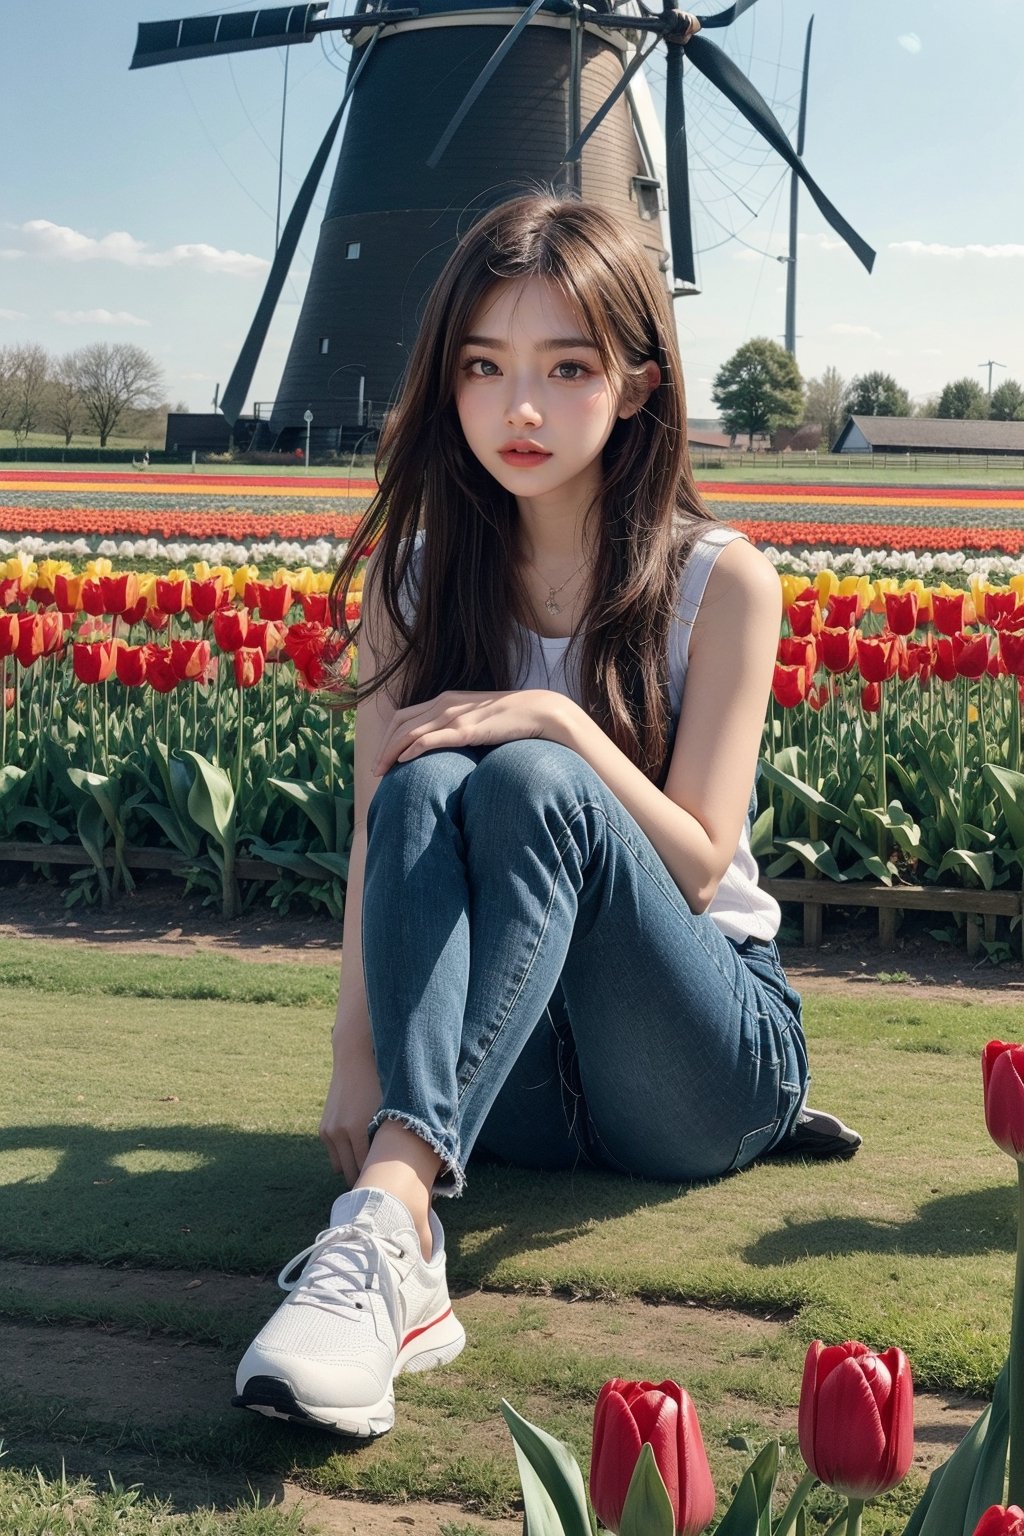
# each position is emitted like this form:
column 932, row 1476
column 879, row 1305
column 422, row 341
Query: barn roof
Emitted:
column 916, row 433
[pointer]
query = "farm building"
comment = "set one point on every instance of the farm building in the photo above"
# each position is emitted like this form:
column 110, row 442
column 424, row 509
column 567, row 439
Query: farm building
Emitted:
column 929, row 434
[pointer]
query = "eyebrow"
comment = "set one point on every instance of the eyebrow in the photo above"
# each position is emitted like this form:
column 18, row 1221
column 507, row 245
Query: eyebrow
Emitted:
column 555, row 344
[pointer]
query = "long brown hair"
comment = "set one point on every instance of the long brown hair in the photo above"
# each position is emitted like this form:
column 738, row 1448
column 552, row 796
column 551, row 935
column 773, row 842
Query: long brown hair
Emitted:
column 461, row 632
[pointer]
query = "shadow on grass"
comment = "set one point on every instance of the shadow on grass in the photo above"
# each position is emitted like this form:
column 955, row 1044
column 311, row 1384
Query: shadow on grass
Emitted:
column 245, row 1200
column 975, row 1221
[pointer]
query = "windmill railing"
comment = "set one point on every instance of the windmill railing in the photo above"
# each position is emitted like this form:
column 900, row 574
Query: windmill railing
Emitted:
column 801, row 461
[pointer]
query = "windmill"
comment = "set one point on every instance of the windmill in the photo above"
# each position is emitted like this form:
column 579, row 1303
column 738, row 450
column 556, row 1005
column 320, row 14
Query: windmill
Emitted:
column 453, row 105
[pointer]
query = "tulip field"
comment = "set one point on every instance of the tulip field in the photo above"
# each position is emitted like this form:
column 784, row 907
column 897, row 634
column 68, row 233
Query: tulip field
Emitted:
column 164, row 640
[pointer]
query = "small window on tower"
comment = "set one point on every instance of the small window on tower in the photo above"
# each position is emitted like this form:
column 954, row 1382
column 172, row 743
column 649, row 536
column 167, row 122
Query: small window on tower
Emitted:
column 325, row 345
column 352, row 251
column 647, row 192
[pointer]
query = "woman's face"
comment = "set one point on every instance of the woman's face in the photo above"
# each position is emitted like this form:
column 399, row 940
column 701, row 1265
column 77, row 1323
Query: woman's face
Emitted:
column 534, row 400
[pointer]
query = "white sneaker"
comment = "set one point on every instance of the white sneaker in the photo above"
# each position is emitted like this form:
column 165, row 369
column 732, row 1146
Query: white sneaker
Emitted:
column 365, row 1308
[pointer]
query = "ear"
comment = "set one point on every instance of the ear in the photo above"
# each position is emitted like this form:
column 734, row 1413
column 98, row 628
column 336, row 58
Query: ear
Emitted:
column 645, row 389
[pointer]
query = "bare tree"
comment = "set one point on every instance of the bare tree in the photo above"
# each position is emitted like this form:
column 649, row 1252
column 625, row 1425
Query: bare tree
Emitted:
column 10, row 358
column 116, row 378
column 28, row 390
column 824, row 404
column 64, row 409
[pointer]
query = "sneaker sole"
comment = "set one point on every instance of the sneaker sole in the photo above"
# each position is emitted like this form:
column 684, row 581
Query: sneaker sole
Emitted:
column 434, row 1344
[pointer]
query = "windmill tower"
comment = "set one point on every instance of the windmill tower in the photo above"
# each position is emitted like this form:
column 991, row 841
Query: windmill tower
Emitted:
column 454, row 105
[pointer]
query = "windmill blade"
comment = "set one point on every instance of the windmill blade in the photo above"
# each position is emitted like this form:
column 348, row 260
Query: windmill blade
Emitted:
column 241, row 377
column 677, row 162
column 638, row 60
column 728, row 16
column 200, row 37
column 717, row 67
column 503, row 48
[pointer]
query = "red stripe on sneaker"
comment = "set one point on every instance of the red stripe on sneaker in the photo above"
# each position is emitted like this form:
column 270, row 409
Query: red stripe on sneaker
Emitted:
column 415, row 1333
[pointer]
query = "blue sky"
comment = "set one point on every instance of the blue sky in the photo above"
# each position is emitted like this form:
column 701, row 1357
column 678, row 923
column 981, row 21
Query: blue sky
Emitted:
column 141, row 206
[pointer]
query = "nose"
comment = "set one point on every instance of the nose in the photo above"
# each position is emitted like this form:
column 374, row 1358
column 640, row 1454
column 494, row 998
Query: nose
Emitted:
column 521, row 412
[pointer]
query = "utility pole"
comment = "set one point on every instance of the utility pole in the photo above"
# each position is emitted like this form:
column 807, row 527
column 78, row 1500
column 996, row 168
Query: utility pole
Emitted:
column 793, row 187
column 990, row 365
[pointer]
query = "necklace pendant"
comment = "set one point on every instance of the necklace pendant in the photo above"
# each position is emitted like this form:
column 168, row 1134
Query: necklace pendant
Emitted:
column 551, row 605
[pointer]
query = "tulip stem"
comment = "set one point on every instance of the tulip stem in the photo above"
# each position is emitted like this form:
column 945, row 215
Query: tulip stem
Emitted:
column 1016, row 1489
column 854, row 1511
column 787, row 1520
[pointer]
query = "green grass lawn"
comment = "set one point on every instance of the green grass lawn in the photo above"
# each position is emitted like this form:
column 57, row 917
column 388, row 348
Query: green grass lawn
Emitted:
column 162, row 1113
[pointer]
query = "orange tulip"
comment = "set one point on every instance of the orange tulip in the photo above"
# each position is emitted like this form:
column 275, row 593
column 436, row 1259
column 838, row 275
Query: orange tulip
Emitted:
column 191, row 660
column 206, row 597
column 249, row 664
column 67, row 592
column 171, row 596
column 790, row 685
column 268, row 636
column 119, row 592
column 230, row 626
column 9, row 624
column 94, row 663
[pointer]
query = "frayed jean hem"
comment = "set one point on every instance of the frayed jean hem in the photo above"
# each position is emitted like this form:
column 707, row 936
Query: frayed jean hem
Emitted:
column 451, row 1180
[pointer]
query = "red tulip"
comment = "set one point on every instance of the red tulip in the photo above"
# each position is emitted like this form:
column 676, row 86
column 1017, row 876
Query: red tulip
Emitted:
column 205, row 597
column 901, row 612
column 918, row 660
column 630, row 1414
column 1002, row 608
column 191, row 660
column 803, row 613
column 945, row 661
column 315, row 607
column 798, row 651
column 878, row 656
column 130, row 665
column 155, row 619
column 948, row 612
column 249, row 664
column 137, row 611
column 871, row 698
column 1011, row 649
column 171, row 596
column 272, row 602
column 843, row 610
column 1002, row 1067
column 267, row 635
column 94, row 663
column 160, row 673
column 970, row 652
column 230, row 627
column 119, row 592
column 997, row 1521
column 856, row 1418
column 67, row 592
column 838, row 648
column 9, row 624
column 10, row 593
column 92, row 600
column 790, row 685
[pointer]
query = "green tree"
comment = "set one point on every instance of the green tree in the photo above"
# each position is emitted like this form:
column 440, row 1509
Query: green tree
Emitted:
column 963, row 400
column 1007, row 402
column 877, row 394
column 758, row 389
column 824, row 404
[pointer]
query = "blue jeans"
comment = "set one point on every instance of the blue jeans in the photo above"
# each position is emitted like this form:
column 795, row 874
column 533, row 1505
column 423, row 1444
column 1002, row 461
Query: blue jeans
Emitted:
column 537, row 983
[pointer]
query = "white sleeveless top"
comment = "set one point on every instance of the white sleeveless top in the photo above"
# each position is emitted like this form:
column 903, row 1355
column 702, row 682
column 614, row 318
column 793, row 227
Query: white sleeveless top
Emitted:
column 739, row 907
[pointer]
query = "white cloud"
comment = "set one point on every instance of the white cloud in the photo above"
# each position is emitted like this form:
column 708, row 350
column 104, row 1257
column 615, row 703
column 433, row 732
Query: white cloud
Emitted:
column 911, row 42
column 843, row 328
column 97, row 317
column 58, row 242
column 823, row 242
column 957, row 252
column 13, row 314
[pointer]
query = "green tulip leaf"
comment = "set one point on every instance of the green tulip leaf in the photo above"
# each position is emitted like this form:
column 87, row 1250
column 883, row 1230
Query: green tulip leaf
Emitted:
column 337, row 863
column 981, row 865
column 553, row 1487
column 943, row 1508
column 1009, row 788
column 648, row 1508
column 990, row 1473
column 813, row 854
column 743, row 1517
column 803, row 792
column 211, row 800
column 183, row 837
column 761, row 833
column 317, row 803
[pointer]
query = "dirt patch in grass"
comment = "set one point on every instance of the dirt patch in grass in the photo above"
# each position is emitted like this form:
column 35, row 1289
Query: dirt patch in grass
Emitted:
column 158, row 919
column 122, row 1377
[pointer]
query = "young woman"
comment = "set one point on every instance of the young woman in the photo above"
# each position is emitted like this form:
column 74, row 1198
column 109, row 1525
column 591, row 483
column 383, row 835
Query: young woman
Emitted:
column 555, row 945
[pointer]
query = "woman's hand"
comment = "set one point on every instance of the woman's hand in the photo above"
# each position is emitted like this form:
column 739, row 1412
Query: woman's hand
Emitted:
column 456, row 719
column 353, row 1098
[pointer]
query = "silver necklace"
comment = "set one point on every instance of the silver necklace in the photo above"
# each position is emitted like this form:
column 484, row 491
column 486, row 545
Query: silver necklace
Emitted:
column 549, row 602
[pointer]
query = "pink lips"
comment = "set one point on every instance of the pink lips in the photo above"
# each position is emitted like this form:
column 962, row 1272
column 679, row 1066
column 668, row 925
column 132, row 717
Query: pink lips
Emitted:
column 523, row 454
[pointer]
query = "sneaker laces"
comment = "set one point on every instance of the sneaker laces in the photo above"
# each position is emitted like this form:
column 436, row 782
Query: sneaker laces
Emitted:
column 341, row 1266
